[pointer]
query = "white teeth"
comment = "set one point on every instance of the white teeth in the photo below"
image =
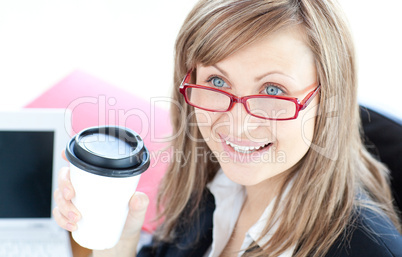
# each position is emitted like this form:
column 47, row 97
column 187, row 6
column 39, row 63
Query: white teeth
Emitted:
column 244, row 149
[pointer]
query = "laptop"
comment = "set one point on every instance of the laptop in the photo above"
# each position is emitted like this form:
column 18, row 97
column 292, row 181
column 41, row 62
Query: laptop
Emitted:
column 31, row 142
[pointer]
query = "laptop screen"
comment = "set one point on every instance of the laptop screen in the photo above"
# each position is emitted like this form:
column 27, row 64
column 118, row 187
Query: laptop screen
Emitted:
column 26, row 164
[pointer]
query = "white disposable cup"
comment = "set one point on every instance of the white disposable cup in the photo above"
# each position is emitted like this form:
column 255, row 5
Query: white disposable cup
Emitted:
column 105, row 166
column 103, row 204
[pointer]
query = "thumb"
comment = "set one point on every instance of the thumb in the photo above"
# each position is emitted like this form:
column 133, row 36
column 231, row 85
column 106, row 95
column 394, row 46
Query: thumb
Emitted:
column 137, row 209
column 138, row 205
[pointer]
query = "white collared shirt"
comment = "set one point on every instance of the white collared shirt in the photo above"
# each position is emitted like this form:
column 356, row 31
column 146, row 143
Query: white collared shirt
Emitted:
column 229, row 199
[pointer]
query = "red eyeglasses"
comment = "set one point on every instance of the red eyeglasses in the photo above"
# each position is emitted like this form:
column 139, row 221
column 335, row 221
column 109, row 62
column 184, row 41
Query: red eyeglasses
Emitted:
column 267, row 107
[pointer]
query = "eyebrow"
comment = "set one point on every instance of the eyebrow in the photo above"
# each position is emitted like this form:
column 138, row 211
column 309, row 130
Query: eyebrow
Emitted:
column 220, row 70
column 257, row 79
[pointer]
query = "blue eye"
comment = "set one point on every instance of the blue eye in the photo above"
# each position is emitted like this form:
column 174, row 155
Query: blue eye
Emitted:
column 218, row 82
column 273, row 90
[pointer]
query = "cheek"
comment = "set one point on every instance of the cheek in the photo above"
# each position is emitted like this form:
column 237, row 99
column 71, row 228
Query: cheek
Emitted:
column 294, row 137
column 211, row 126
column 205, row 121
column 308, row 119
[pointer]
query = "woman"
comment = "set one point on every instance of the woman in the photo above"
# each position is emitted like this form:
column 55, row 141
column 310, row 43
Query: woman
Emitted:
column 268, row 175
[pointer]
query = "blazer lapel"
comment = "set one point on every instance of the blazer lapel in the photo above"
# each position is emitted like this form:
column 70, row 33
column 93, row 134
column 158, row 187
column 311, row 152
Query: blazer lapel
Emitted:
column 192, row 240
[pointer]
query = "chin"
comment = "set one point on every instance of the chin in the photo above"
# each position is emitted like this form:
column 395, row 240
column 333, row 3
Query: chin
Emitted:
column 249, row 175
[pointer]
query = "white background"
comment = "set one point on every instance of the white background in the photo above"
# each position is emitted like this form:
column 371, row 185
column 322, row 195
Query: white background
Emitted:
column 129, row 43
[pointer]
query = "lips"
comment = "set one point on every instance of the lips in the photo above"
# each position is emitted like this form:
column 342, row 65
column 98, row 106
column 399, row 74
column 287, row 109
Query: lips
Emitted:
column 244, row 151
column 247, row 149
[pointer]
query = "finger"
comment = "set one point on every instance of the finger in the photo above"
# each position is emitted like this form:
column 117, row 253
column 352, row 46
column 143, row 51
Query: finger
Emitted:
column 63, row 155
column 62, row 221
column 138, row 206
column 64, row 183
column 66, row 207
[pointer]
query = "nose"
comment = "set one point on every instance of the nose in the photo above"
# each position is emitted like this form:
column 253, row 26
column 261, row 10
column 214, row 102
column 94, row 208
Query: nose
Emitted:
column 241, row 122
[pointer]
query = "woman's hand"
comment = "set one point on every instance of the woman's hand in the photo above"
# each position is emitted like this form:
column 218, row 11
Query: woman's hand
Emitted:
column 65, row 213
column 67, row 216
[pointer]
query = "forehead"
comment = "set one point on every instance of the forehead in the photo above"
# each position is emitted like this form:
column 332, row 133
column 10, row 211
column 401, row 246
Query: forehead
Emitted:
column 281, row 45
column 284, row 51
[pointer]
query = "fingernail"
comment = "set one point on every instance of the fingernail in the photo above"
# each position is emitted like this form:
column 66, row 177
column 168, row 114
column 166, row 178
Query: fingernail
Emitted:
column 72, row 216
column 66, row 192
column 141, row 201
column 138, row 203
column 71, row 227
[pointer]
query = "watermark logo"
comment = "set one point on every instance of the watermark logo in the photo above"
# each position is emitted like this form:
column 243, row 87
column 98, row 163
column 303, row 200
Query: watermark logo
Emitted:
column 236, row 122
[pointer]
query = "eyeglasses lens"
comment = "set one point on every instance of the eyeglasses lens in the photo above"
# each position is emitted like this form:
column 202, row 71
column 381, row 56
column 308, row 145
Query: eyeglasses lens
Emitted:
column 271, row 108
column 208, row 99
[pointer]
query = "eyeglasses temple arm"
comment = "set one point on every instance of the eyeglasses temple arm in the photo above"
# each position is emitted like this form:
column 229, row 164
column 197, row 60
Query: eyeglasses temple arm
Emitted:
column 186, row 78
column 309, row 98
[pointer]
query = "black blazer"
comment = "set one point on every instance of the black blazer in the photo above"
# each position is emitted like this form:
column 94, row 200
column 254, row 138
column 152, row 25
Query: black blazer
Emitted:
column 370, row 235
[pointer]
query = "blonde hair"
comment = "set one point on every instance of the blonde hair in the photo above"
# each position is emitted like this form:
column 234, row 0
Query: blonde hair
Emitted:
column 336, row 169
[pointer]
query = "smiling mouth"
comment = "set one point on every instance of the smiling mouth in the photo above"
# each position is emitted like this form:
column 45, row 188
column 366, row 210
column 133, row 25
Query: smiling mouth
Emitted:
column 247, row 149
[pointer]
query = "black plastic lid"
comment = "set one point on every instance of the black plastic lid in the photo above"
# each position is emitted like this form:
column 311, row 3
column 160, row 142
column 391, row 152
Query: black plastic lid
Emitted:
column 109, row 151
